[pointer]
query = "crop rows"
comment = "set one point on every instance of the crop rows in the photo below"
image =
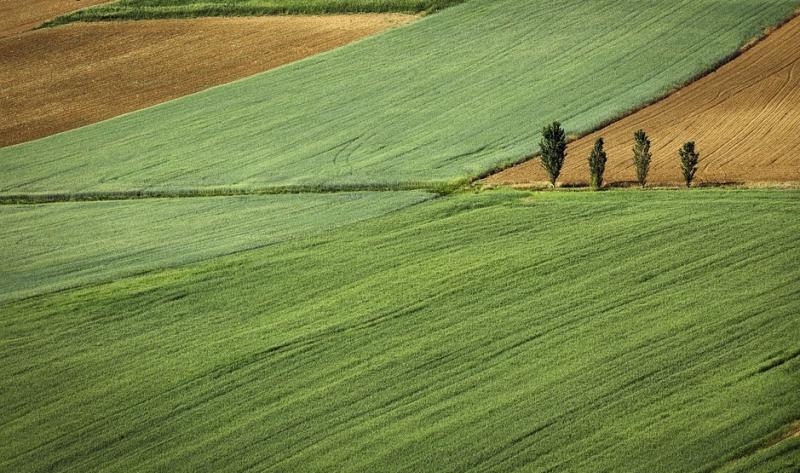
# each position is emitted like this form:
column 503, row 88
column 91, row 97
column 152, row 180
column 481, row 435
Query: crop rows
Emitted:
column 614, row 331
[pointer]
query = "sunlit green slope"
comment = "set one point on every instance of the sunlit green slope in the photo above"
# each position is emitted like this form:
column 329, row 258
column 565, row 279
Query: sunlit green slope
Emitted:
column 615, row 331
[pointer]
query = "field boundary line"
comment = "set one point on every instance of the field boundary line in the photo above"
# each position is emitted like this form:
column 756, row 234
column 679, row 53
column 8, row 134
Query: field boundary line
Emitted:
column 438, row 188
column 96, row 14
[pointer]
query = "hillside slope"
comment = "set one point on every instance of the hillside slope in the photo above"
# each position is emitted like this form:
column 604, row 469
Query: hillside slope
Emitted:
column 617, row 331
column 744, row 118
column 447, row 97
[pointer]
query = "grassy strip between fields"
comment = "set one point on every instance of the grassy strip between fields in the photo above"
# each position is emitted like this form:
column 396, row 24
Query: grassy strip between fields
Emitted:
column 438, row 188
column 156, row 9
column 492, row 331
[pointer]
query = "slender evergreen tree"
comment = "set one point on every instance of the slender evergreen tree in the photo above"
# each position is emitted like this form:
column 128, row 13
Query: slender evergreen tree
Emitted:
column 689, row 160
column 641, row 156
column 553, row 150
column 597, row 165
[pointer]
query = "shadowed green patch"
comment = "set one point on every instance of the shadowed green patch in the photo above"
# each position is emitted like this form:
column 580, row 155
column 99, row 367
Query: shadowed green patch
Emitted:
column 780, row 454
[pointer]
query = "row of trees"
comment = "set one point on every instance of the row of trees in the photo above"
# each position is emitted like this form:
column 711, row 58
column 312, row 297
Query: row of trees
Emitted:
column 554, row 151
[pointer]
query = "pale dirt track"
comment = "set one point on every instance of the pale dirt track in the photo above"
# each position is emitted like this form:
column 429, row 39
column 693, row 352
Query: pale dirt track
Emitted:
column 56, row 79
column 17, row 16
column 745, row 118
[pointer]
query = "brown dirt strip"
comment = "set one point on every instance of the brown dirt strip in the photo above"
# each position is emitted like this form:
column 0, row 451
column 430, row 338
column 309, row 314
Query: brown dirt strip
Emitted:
column 56, row 79
column 744, row 117
column 17, row 16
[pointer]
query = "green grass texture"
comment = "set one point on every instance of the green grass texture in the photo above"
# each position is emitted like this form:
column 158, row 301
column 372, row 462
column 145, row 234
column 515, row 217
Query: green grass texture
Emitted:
column 56, row 246
column 497, row 331
column 153, row 9
column 445, row 98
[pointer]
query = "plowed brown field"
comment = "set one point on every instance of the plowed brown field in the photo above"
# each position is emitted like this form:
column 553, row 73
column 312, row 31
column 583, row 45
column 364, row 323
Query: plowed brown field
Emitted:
column 745, row 118
column 55, row 79
column 22, row 15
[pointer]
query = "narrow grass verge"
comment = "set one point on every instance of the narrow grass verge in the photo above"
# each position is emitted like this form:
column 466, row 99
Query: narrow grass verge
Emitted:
column 158, row 9
column 439, row 188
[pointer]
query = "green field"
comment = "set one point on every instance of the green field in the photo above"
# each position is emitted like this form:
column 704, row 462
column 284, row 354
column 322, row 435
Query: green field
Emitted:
column 448, row 97
column 498, row 331
column 61, row 245
column 151, row 9
column 167, row 305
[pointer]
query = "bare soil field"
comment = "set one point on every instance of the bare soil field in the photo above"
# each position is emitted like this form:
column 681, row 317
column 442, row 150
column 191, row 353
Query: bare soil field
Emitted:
column 744, row 117
column 17, row 16
column 56, row 79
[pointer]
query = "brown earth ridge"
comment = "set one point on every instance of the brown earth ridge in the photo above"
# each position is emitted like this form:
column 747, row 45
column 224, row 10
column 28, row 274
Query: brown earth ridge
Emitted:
column 57, row 79
column 745, row 118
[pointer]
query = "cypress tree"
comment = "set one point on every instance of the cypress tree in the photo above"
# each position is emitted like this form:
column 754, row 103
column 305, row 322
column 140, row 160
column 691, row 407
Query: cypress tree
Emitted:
column 597, row 165
column 553, row 150
column 641, row 156
column 689, row 160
